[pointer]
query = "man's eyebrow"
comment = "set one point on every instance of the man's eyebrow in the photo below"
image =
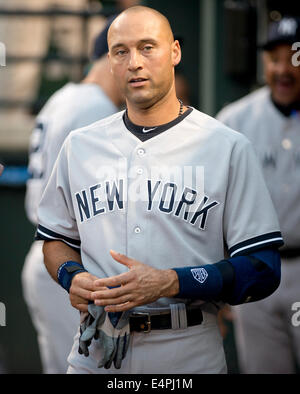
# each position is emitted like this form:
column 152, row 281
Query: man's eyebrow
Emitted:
column 148, row 41
column 118, row 45
column 143, row 41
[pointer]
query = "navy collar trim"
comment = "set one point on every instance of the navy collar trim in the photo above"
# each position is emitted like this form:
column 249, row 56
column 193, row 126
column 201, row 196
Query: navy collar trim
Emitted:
column 153, row 130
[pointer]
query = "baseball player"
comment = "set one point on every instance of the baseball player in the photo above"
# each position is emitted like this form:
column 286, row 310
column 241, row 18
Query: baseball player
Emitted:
column 267, row 341
column 138, row 211
column 74, row 105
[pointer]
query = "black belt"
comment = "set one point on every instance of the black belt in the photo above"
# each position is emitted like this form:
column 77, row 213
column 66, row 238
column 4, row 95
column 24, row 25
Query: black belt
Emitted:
column 144, row 322
column 290, row 253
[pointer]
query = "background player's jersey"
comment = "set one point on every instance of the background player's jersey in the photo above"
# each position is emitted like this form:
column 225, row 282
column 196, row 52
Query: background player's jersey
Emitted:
column 276, row 139
column 71, row 107
column 179, row 199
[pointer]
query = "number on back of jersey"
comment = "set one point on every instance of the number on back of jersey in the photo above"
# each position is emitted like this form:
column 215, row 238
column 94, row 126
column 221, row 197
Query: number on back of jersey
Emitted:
column 36, row 146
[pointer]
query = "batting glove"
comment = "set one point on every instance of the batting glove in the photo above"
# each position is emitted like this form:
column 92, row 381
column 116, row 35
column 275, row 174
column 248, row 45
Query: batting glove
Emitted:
column 88, row 327
column 114, row 337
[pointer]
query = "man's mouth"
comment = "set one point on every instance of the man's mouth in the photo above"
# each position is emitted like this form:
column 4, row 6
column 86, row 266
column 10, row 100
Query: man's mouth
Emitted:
column 136, row 82
column 284, row 82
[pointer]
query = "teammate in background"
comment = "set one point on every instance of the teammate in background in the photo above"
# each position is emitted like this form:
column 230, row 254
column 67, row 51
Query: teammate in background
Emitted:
column 266, row 340
column 132, row 183
column 73, row 106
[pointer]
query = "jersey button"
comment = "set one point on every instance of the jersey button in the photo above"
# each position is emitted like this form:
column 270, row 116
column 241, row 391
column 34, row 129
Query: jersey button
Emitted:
column 137, row 230
column 139, row 171
column 287, row 144
column 141, row 152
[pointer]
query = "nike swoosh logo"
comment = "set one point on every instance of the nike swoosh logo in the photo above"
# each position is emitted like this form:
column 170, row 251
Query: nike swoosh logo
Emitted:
column 147, row 130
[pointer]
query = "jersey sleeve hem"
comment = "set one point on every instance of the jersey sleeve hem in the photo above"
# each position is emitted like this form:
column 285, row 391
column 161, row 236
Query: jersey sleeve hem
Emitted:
column 273, row 239
column 44, row 234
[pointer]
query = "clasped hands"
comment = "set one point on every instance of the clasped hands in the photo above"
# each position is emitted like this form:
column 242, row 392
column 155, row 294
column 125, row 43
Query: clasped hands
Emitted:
column 106, row 304
column 140, row 285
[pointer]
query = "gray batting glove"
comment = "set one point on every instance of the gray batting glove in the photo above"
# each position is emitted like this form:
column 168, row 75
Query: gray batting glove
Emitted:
column 122, row 333
column 114, row 340
column 107, row 343
column 88, row 327
column 83, row 346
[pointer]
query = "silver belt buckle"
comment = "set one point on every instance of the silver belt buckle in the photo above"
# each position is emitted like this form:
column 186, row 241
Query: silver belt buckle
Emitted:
column 146, row 329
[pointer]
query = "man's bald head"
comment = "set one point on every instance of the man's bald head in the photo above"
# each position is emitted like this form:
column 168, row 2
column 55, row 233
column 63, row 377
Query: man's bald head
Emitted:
column 144, row 14
column 143, row 54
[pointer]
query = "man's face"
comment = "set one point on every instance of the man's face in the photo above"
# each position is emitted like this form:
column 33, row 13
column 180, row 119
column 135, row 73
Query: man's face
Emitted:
column 282, row 77
column 143, row 55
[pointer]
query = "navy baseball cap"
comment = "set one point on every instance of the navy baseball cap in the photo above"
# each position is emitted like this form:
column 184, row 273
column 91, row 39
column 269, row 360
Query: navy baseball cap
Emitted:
column 100, row 44
column 287, row 30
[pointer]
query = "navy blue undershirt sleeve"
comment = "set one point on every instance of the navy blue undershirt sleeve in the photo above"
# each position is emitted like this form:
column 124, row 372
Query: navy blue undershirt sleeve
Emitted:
column 235, row 281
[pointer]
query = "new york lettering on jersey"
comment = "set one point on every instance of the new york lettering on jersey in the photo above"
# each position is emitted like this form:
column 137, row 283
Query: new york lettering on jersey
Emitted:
column 170, row 199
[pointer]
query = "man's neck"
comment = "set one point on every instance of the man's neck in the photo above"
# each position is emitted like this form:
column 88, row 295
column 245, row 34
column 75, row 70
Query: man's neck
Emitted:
column 287, row 109
column 160, row 113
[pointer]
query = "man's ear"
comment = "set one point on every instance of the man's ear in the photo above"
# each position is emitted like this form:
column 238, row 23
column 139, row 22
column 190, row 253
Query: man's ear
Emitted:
column 176, row 53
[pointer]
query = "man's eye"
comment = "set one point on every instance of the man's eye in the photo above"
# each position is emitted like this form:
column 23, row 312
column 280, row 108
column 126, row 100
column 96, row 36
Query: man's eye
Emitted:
column 120, row 52
column 147, row 48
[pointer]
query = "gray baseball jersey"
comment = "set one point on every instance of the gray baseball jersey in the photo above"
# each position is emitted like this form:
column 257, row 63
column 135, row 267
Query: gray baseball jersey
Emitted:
column 179, row 199
column 276, row 139
column 71, row 107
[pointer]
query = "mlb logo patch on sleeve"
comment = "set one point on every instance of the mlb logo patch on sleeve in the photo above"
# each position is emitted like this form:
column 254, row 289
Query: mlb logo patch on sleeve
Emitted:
column 200, row 274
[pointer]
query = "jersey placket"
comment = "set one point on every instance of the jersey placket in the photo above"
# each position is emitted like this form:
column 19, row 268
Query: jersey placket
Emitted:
column 137, row 205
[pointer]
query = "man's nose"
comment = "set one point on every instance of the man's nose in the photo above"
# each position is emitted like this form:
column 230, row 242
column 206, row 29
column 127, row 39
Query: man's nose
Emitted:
column 284, row 67
column 135, row 61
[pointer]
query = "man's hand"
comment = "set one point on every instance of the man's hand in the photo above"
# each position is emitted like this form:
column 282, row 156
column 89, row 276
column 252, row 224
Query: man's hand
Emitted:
column 81, row 290
column 141, row 285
